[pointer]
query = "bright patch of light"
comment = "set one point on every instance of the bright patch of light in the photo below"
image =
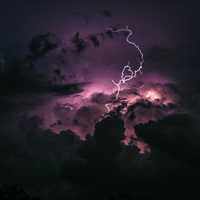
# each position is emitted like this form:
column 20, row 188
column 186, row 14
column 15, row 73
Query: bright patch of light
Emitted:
column 152, row 95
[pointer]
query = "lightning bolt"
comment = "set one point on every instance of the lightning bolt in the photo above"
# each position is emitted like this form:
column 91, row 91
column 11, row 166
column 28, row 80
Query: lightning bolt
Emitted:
column 133, row 73
column 133, row 70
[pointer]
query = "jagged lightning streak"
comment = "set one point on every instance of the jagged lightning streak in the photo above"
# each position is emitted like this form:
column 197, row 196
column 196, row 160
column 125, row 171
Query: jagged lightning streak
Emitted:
column 128, row 68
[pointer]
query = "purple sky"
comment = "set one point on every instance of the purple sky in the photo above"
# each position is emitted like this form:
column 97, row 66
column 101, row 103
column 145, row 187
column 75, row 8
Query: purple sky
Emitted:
column 158, row 23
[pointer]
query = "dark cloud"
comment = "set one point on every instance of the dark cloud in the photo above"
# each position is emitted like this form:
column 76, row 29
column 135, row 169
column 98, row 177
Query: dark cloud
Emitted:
column 100, row 98
column 79, row 43
column 42, row 44
column 94, row 40
column 177, row 135
column 45, row 157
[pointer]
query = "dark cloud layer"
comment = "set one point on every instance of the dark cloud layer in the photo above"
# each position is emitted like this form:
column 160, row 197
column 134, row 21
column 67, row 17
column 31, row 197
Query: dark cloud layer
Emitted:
column 177, row 135
column 68, row 167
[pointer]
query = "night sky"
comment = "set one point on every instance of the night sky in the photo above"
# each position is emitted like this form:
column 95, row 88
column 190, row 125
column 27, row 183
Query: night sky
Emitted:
column 66, row 132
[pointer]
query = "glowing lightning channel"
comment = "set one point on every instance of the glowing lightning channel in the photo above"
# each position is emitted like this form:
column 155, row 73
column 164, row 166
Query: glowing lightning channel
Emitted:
column 132, row 73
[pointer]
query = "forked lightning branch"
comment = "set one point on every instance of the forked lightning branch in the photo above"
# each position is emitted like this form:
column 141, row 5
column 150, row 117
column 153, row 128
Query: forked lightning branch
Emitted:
column 131, row 70
column 128, row 72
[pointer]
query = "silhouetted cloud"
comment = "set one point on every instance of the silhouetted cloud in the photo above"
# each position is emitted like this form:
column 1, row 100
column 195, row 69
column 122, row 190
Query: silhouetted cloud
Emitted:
column 177, row 135
column 42, row 44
